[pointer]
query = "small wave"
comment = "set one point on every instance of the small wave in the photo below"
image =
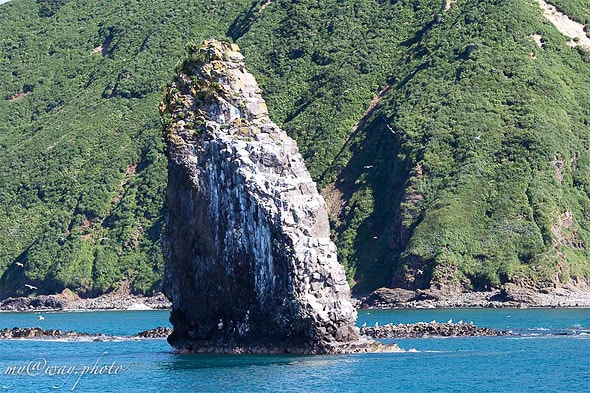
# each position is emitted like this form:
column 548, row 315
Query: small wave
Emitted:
column 139, row 307
column 554, row 334
column 536, row 337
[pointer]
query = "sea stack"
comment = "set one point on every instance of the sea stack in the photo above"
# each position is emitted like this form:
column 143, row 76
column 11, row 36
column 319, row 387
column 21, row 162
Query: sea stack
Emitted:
column 250, row 267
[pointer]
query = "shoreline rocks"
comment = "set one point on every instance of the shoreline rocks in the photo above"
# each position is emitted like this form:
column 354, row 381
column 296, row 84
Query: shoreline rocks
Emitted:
column 363, row 345
column 508, row 296
column 41, row 302
column 111, row 301
column 37, row 332
column 431, row 329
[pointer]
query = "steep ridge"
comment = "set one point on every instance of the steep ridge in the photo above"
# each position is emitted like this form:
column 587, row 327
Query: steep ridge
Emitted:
column 451, row 183
column 250, row 264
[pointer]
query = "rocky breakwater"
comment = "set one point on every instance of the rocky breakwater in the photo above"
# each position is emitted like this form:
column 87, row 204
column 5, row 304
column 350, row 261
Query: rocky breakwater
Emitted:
column 37, row 332
column 431, row 329
column 250, row 266
column 56, row 334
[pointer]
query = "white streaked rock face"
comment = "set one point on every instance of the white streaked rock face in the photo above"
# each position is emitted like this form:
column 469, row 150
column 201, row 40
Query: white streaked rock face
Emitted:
column 250, row 263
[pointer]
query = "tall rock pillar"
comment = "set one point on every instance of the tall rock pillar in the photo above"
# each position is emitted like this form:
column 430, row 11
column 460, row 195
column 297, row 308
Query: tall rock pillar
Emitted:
column 250, row 266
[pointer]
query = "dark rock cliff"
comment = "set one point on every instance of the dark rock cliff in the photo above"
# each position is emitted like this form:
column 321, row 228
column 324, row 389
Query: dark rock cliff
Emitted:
column 250, row 264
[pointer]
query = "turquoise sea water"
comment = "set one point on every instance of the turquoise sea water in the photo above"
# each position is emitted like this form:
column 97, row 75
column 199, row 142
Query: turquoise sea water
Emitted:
column 553, row 355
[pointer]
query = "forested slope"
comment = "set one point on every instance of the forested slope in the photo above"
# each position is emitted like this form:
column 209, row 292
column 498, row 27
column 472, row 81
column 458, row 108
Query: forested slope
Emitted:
column 472, row 169
column 83, row 176
column 452, row 143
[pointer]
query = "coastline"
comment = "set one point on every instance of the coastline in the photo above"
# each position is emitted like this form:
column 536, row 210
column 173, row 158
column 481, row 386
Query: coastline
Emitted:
column 67, row 301
column 508, row 296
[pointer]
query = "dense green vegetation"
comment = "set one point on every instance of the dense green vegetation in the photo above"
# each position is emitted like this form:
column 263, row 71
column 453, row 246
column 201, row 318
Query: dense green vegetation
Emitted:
column 82, row 184
column 472, row 169
column 468, row 171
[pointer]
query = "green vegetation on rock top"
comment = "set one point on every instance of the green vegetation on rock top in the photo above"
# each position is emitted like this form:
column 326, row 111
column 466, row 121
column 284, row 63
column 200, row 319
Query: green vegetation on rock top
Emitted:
column 452, row 149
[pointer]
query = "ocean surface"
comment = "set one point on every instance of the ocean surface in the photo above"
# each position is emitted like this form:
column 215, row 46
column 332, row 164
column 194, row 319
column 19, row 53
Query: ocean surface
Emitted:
column 551, row 355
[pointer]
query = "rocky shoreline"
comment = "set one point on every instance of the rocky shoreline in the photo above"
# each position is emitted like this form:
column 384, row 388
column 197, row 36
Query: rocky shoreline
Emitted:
column 363, row 345
column 508, row 296
column 68, row 301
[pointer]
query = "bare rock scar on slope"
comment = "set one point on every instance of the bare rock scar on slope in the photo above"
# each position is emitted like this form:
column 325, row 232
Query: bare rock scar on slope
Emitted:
column 565, row 25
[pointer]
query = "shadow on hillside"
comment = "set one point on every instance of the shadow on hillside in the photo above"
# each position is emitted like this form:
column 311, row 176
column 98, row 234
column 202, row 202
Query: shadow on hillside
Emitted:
column 241, row 25
column 373, row 169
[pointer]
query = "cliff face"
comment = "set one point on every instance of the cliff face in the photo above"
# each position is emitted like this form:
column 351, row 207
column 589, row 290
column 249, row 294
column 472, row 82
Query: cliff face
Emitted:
column 250, row 263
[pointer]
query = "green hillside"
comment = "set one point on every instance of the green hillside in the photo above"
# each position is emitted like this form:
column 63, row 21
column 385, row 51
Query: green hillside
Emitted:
column 453, row 150
column 83, row 176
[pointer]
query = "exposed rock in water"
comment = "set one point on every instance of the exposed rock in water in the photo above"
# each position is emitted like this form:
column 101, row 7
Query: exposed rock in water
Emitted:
column 159, row 332
column 417, row 330
column 37, row 332
column 432, row 329
column 56, row 334
column 250, row 264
